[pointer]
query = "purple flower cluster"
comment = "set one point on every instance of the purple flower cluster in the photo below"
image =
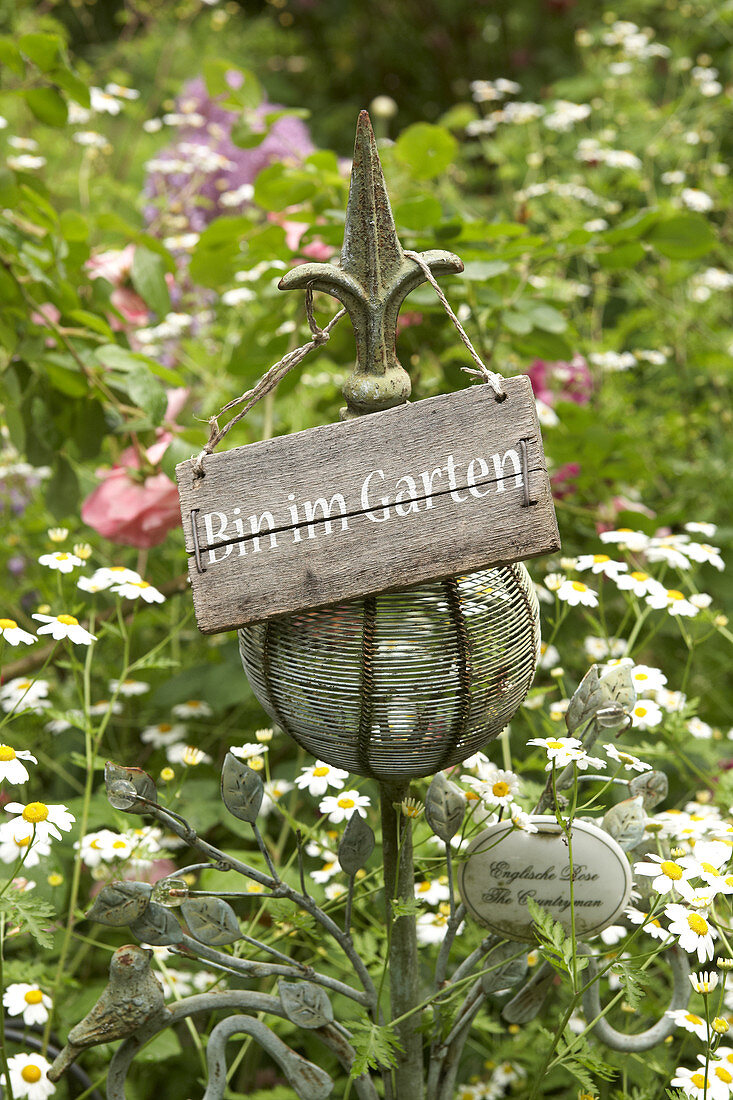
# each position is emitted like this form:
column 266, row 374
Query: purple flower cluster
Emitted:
column 203, row 174
column 561, row 380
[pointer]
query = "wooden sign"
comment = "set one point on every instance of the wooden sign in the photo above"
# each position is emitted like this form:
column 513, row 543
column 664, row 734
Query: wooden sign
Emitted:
column 419, row 492
column 505, row 867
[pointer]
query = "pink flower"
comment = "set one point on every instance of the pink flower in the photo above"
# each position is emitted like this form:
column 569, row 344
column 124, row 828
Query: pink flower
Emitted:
column 130, row 305
column 131, row 510
column 114, row 265
column 563, row 480
column 315, row 249
column 561, row 381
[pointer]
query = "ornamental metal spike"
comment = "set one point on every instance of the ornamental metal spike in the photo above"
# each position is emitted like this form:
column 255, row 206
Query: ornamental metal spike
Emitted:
column 371, row 279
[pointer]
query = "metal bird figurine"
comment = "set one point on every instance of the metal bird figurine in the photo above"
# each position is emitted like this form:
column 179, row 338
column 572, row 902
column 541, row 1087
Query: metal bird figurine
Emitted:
column 132, row 997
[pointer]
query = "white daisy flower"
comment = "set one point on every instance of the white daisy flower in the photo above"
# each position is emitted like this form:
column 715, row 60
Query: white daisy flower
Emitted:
column 104, row 706
column 101, row 847
column 104, row 102
column 522, row 820
column 192, row 708
column 335, row 890
column 479, row 762
column 600, row 563
column 647, row 678
column 319, row 777
column 597, row 649
column 549, row 656
column 12, row 769
column 690, row 1021
column 342, row 806
column 162, row 734
column 630, row 762
column 560, row 750
column 248, row 751
column 666, row 873
column 17, row 839
column 28, row 1077
column 652, row 926
column 703, row 552
column 431, row 927
column 669, row 552
column 555, row 581
column 701, row 600
column 326, row 872
column 613, row 934
column 65, row 626
column 670, row 700
column 186, row 754
column 640, row 583
column 494, row 786
column 706, row 981
column 138, row 590
column 695, row 199
column 576, row 592
column 23, row 694
column 675, row 602
column 59, row 560
column 46, row 819
column 13, row 634
column 694, row 932
column 106, row 576
column 698, row 729
column 626, row 538
column 706, row 529
column 646, row 714
column 28, row 1001
column 433, row 891
column 129, row 687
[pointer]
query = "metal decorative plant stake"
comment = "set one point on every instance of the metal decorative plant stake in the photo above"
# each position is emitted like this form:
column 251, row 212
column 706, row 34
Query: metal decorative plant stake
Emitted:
column 387, row 680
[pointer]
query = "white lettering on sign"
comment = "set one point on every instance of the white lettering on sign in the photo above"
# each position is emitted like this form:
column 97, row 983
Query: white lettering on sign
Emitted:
column 410, row 494
column 505, row 867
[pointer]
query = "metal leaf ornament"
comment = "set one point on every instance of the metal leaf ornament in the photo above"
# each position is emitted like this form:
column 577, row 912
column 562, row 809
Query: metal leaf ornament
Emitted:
column 607, row 695
column 508, row 969
column 525, row 1005
column 445, row 806
column 357, row 844
column 120, row 903
column 306, row 1005
column 126, row 785
column 211, row 921
column 242, row 790
column 157, row 926
column 625, row 822
column 652, row 786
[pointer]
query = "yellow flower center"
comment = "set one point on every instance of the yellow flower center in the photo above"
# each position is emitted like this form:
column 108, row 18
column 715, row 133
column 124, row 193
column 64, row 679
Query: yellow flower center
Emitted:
column 67, row 620
column 346, row 803
column 625, row 758
column 692, row 1018
column 96, row 845
column 708, row 867
column 22, row 842
column 140, row 584
column 598, row 558
column 423, row 887
column 640, row 576
column 256, row 763
column 674, row 594
column 671, row 870
column 501, row 789
column 698, row 924
column 641, row 676
column 579, row 586
column 31, row 1074
column 640, row 711
column 6, row 753
column 164, row 727
column 24, row 685
column 33, row 997
column 471, row 796
column 118, row 569
column 698, row 1080
column 8, row 624
column 722, row 1073
column 655, row 922
column 192, row 704
column 61, row 557
column 555, row 745
column 119, row 844
column 320, row 772
column 35, row 812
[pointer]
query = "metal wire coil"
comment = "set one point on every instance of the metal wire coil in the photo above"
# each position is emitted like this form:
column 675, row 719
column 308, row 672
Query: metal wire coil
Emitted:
column 402, row 684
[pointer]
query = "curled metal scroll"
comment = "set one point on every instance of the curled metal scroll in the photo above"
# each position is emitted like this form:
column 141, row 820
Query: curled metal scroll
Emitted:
column 644, row 1040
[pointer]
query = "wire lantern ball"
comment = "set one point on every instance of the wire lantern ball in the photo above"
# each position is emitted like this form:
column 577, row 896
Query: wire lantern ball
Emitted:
column 402, row 684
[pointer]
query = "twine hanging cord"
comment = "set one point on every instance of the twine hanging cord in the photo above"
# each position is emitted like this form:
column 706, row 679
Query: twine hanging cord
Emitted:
column 320, row 336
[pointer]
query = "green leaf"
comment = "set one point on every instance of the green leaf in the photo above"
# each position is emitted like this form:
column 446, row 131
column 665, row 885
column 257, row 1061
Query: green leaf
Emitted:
column 419, row 212
column 75, row 88
column 64, row 375
column 427, row 149
column 547, row 318
column 682, row 237
column 480, row 270
column 62, row 489
column 279, row 186
column 10, row 56
column 624, row 256
column 376, row 1047
column 146, row 391
column 632, row 979
column 47, row 105
column 30, row 913
column 43, row 50
column 148, row 279
column 73, row 225
column 217, row 75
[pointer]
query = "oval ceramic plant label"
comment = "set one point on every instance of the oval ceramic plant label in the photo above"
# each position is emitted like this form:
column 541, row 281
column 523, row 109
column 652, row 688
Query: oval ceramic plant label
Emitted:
column 505, row 867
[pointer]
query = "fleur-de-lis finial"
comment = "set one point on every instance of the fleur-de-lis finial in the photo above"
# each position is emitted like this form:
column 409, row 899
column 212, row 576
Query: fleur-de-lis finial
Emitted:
column 372, row 278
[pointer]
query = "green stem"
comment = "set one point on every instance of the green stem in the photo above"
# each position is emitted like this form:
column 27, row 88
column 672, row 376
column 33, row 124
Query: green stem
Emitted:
column 3, row 1046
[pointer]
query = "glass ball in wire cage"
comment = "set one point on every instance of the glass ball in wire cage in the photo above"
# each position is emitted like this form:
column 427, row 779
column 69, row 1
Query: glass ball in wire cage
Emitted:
column 403, row 684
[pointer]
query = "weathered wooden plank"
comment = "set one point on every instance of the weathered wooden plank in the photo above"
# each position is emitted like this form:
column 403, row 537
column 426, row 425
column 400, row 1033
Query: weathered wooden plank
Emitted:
column 416, row 493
